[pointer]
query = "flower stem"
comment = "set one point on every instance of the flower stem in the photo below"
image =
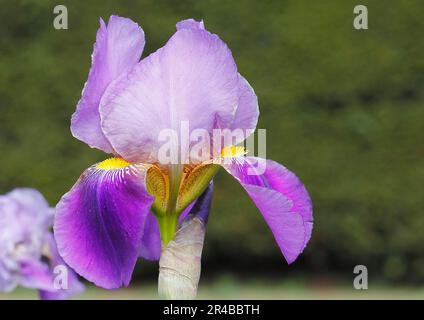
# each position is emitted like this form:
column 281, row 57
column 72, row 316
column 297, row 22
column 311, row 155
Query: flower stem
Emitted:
column 168, row 222
column 168, row 227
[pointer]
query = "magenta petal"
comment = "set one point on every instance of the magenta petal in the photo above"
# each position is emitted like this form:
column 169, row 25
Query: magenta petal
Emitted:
column 192, row 78
column 99, row 224
column 117, row 49
column 281, row 198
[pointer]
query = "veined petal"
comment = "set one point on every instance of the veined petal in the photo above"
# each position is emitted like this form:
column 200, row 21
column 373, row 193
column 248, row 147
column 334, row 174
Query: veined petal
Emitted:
column 99, row 223
column 192, row 78
column 247, row 112
column 117, row 49
column 281, row 198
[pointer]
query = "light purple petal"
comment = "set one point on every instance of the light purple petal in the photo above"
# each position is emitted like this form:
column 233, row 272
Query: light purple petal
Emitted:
column 281, row 198
column 190, row 24
column 74, row 286
column 25, row 218
column 35, row 275
column 117, row 49
column 33, row 210
column 99, row 224
column 192, row 78
column 247, row 113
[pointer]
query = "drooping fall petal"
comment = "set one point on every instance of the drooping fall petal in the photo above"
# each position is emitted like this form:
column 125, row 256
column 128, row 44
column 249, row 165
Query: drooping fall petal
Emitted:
column 99, row 223
column 281, row 198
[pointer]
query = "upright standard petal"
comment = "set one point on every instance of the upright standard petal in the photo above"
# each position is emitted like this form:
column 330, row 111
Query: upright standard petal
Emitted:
column 99, row 223
column 281, row 198
column 117, row 49
column 247, row 112
column 192, row 79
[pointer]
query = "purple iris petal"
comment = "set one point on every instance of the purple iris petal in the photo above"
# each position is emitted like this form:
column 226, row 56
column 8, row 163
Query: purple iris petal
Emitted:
column 27, row 250
column 73, row 288
column 190, row 24
column 99, row 224
column 36, row 274
column 282, row 199
column 192, row 78
column 247, row 112
column 202, row 206
column 118, row 48
column 151, row 243
column 25, row 217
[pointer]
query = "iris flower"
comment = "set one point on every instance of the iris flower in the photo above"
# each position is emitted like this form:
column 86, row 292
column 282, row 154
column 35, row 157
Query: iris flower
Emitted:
column 28, row 254
column 130, row 205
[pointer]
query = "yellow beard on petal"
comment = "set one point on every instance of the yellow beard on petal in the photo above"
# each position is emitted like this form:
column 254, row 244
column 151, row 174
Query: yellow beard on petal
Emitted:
column 233, row 152
column 192, row 181
column 112, row 164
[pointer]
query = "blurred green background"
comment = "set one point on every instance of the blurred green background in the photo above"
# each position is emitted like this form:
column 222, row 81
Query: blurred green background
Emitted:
column 343, row 109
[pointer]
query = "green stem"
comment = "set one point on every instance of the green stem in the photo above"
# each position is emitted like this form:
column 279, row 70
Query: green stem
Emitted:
column 168, row 227
column 168, row 222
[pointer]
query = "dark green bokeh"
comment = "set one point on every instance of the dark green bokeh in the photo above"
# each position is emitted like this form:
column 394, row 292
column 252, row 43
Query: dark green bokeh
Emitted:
column 342, row 108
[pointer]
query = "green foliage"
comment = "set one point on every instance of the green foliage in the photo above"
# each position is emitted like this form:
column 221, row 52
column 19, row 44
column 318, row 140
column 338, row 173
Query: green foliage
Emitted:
column 342, row 108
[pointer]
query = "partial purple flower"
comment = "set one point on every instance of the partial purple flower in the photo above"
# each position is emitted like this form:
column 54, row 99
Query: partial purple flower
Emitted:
column 131, row 204
column 28, row 254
